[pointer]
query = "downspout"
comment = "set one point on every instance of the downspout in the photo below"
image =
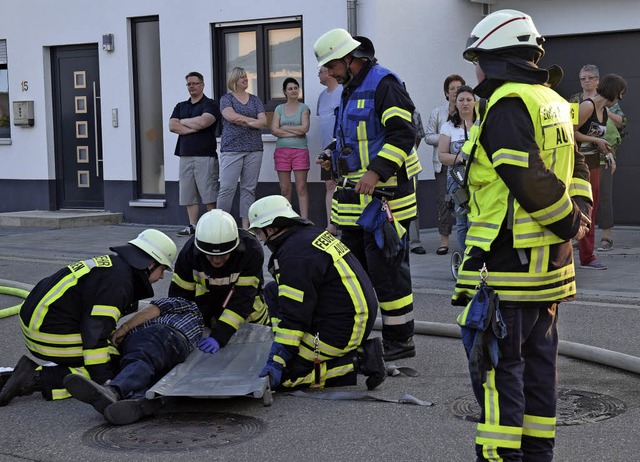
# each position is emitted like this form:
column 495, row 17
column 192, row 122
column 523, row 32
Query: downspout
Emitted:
column 352, row 16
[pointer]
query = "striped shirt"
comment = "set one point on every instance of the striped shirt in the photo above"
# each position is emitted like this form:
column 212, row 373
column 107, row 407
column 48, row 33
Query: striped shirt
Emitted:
column 180, row 314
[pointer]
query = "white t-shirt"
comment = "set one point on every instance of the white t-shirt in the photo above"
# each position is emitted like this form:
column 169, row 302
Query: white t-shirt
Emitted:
column 456, row 134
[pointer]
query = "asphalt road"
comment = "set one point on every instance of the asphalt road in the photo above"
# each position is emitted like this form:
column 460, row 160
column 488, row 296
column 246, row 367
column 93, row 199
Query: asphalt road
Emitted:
column 600, row 404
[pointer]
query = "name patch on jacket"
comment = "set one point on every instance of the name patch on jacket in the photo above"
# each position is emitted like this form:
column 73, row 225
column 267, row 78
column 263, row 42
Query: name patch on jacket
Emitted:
column 557, row 125
column 327, row 242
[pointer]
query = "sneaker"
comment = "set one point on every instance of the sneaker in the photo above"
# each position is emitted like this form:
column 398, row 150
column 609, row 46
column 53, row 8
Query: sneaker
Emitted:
column 127, row 411
column 188, row 231
column 24, row 381
column 371, row 362
column 90, row 392
column 594, row 265
column 394, row 349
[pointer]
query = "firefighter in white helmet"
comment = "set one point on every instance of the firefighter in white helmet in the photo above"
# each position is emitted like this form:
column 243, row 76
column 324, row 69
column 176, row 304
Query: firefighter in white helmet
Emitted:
column 220, row 268
column 375, row 103
column 322, row 304
column 529, row 196
column 68, row 317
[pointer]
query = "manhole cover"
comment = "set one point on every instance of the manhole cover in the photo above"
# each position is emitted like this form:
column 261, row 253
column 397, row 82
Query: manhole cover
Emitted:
column 575, row 407
column 176, row 432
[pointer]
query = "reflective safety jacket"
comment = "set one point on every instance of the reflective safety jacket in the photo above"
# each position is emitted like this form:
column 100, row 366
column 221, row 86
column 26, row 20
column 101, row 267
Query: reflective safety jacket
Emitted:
column 375, row 131
column 322, row 289
column 69, row 317
column 499, row 221
column 227, row 296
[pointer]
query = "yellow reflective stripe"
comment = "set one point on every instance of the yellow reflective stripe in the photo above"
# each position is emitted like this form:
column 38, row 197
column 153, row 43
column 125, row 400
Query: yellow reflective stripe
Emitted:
column 413, row 164
column 55, row 352
column 539, row 427
column 363, row 143
column 106, row 310
column 325, row 351
column 42, row 308
column 397, row 320
column 186, row 285
column 248, row 281
column 360, row 103
column 395, row 111
column 260, row 315
column 80, row 371
column 499, row 436
column 57, row 339
column 203, row 278
column 580, row 187
column 231, row 318
column 290, row 292
column 491, row 401
column 325, row 374
column 96, row 356
column 511, row 157
column 555, row 212
column 398, row 303
column 353, row 286
column 393, row 154
column 60, row 393
column 288, row 336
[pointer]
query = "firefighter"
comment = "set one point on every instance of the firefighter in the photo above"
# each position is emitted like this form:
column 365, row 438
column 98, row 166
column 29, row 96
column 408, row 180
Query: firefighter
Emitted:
column 322, row 304
column 530, row 196
column 68, row 317
column 220, row 268
column 374, row 144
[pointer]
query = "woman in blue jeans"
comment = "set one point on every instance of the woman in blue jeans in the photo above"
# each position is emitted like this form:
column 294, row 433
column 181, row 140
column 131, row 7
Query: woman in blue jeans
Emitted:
column 453, row 135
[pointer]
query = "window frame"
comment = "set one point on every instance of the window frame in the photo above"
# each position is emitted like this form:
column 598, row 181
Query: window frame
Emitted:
column 4, row 65
column 261, row 29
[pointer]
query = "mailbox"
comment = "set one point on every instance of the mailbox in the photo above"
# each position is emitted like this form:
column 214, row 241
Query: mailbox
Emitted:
column 23, row 113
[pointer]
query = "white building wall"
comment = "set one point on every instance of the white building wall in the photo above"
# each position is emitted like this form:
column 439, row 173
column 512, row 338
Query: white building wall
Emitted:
column 421, row 40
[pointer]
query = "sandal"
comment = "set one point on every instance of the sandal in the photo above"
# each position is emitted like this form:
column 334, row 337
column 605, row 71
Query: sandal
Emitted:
column 605, row 245
column 442, row 250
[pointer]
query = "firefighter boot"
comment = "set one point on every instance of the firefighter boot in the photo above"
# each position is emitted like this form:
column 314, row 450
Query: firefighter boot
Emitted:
column 90, row 392
column 394, row 349
column 371, row 363
column 127, row 411
column 24, row 380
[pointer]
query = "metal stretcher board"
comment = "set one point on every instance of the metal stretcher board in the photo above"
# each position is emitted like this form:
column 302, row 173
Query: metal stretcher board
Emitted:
column 232, row 371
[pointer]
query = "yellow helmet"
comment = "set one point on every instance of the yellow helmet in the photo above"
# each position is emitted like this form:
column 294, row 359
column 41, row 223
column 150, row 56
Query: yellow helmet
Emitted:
column 157, row 245
column 503, row 30
column 335, row 44
column 265, row 211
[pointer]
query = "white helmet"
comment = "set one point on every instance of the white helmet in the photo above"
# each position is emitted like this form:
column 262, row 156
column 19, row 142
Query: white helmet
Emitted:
column 216, row 233
column 503, row 30
column 157, row 245
column 335, row 44
column 265, row 211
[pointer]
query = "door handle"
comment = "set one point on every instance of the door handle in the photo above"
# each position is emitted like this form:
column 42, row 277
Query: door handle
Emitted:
column 95, row 129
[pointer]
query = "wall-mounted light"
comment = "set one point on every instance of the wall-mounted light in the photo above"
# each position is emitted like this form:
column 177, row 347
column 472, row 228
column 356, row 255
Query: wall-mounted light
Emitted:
column 107, row 42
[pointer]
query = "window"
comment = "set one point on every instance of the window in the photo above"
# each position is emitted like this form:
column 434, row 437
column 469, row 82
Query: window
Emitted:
column 269, row 52
column 147, row 88
column 5, row 125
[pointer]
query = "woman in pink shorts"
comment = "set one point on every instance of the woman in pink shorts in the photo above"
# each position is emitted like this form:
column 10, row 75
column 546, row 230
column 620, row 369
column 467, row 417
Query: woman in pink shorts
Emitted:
column 290, row 125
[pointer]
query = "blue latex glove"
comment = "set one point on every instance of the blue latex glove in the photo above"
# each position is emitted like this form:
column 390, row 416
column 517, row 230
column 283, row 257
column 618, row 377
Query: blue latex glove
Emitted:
column 209, row 345
column 274, row 368
column 274, row 371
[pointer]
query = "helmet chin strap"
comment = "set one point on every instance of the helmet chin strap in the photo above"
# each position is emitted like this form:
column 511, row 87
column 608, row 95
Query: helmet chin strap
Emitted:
column 347, row 67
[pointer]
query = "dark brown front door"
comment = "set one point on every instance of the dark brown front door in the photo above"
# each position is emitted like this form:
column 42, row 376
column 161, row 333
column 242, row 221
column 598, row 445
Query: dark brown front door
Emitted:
column 78, row 142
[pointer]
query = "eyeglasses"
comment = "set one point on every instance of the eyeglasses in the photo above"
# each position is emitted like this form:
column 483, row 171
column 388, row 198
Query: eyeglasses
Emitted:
column 583, row 79
column 193, row 84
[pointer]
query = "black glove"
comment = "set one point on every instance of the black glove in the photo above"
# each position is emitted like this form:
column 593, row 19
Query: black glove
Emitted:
column 393, row 248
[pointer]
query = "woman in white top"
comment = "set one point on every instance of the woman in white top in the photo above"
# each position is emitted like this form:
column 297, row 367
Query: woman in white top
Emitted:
column 453, row 134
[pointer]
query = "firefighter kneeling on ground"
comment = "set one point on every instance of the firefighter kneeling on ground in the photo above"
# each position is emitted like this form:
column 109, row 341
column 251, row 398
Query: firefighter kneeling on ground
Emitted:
column 322, row 304
column 220, row 269
column 68, row 318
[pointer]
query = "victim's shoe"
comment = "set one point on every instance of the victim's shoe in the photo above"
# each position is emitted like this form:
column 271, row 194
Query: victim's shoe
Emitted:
column 127, row 411
column 90, row 392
